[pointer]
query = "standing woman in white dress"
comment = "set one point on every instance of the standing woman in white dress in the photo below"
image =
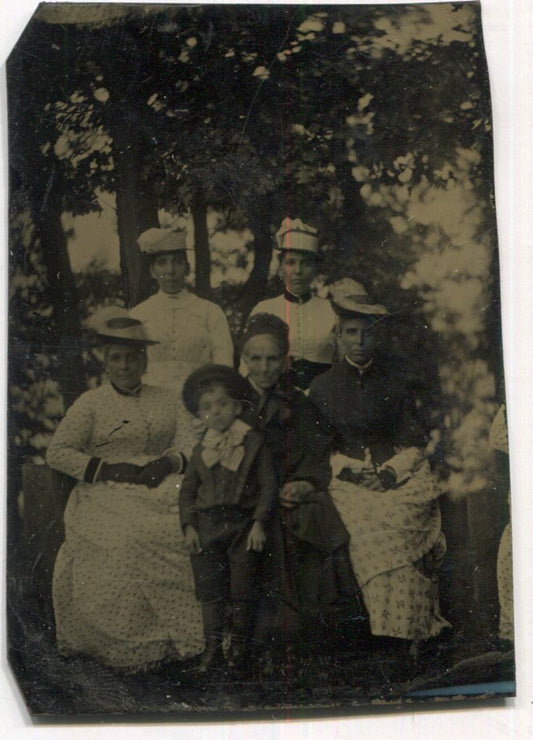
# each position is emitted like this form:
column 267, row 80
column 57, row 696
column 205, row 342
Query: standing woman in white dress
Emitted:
column 311, row 319
column 190, row 331
column 122, row 588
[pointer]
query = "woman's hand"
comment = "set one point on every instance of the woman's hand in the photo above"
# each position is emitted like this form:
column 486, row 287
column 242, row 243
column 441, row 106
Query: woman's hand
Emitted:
column 339, row 462
column 120, row 472
column 154, row 473
column 192, row 540
column 371, row 480
column 256, row 538
column 387, row 476
column 295, row 493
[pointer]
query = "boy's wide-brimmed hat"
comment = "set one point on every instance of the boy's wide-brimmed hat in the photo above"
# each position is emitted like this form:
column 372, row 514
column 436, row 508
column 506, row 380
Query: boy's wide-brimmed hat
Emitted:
column 114, row 325
column 295, row 236
column 350, row 298
column 155, row 240
column 209, row 374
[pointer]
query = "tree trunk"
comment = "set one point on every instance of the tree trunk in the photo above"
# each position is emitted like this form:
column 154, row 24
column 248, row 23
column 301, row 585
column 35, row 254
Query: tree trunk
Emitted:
column 201, row 244
column 65, row 326
column 136, row 212
column 357, row 231
column 132, row 152
column 259, row 222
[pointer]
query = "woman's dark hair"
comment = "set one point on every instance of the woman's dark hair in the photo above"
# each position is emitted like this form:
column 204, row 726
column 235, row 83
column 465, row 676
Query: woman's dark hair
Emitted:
column 266, row 323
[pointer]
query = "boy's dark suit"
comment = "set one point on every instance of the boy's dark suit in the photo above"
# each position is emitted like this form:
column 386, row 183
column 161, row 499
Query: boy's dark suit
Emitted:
column 222, row 505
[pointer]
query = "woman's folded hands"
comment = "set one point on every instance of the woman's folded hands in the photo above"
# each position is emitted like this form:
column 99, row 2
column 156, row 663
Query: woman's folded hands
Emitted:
column 340, row 462
column 155, row 472
column 120, row 472
column 296, row 492
column 362, row 472
column 152, row 474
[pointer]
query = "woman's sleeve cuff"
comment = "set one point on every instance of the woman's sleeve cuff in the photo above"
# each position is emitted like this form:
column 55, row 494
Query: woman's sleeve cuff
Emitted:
column 178, row 460
column 92, row 471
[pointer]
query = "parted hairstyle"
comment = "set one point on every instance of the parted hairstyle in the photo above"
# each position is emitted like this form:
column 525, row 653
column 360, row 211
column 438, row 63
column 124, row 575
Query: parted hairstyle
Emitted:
column 266, row 323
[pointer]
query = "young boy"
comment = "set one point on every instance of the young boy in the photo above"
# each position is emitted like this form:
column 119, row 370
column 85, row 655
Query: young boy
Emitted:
column 226, row 497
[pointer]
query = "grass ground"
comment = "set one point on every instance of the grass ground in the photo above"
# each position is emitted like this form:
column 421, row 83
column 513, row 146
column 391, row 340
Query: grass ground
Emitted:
column 318, row 673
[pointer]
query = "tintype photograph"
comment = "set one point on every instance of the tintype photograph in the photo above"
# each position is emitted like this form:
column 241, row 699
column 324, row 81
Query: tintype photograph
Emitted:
column 257, row 446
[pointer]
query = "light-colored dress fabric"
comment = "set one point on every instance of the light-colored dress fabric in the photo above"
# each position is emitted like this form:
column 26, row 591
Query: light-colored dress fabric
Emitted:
column 396, row 544
column 123, row 589
column 310, row 324
column 499, row 441
column 191, row 332
column 505, row 584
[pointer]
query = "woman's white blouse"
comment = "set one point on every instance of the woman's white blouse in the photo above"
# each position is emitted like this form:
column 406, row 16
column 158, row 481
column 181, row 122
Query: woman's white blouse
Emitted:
column 191, row 332
column 118, row 428
column 311, row 325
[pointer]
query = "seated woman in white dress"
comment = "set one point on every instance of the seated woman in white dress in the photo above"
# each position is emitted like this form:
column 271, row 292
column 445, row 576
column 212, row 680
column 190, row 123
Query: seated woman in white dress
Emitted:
column 122, row 588
column 382, row 484
column 310, row 318
column 190, row 331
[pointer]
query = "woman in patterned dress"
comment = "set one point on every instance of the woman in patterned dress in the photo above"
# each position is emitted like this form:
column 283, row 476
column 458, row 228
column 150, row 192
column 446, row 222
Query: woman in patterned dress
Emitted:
column 122, row 587
column 382, row 484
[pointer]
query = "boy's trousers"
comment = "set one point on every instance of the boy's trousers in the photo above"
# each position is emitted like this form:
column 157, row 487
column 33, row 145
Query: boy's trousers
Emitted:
column 224, row 568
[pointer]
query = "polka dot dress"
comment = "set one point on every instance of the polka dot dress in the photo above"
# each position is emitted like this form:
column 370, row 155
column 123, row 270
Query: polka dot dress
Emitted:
column 123, row 589
column 499, row 441
column 391, row 534
column 505, row 585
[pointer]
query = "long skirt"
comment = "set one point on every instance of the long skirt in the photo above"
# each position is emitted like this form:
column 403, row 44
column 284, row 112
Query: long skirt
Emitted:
column 123, row 589
column 308, row 581
column 396, row 545
column 505, row 585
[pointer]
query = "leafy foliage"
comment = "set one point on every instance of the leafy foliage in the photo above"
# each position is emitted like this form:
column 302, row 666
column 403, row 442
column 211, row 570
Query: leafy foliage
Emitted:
column 371, row 123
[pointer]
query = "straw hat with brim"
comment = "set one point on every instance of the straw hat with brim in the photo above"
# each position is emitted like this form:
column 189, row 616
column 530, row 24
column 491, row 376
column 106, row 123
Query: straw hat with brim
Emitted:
column 206, row 375
column 155, row 240
column 349, row 298
column 123, row 330
column 295, row 236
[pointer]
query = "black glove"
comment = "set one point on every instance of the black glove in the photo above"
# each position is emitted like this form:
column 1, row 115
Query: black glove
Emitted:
column 387, row 477
column 155, row 472
column 120, row 472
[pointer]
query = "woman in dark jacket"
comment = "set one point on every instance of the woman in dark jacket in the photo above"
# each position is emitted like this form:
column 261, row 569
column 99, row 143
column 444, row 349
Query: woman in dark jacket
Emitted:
column 309, row 568
column 382, row 484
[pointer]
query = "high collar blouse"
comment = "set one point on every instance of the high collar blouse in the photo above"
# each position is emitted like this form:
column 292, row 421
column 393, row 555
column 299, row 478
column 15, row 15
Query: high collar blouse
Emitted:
column 311, row 324
column 191, row 332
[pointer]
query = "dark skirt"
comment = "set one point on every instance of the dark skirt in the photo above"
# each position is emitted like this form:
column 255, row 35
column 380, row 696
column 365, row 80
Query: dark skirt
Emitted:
column 310, row 595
